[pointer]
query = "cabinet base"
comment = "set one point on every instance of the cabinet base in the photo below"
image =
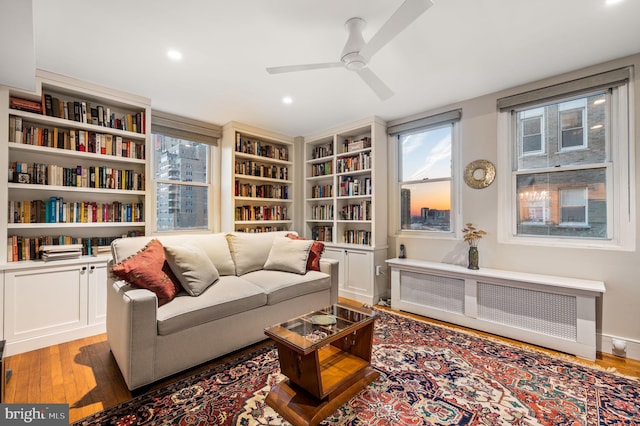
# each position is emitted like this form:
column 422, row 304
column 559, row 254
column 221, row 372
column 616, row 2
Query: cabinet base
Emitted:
column 300, row 408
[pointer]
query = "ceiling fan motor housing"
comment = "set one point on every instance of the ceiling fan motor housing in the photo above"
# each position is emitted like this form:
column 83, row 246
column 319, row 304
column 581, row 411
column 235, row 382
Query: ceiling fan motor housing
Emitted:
column 351, row 56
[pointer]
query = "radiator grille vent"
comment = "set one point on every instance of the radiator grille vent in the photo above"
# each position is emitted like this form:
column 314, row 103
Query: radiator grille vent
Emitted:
column 442, row 293
column 546, row 313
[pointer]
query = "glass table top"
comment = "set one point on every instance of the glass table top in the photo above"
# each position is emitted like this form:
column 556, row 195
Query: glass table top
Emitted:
column 320, row 327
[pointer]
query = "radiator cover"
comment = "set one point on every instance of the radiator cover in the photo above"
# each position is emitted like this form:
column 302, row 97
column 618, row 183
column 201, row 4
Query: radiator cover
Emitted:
column 553, row 312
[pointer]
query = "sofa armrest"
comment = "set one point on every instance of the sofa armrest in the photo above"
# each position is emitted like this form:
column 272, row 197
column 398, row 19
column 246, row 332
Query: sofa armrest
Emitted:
column 330, row 266
column 132, row 331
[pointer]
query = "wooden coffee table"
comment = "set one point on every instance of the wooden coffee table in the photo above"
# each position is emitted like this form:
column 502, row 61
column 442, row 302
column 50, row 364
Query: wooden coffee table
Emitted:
column 326, row 355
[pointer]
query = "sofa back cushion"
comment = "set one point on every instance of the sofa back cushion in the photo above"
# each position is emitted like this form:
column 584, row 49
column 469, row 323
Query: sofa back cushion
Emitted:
column 214, row 245
column 250, row 251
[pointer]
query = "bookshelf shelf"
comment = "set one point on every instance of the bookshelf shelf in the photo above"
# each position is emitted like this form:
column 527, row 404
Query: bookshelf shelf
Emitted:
column 71, row 189
column 28, row 226
column 69, row 124
column 14, row 146
column 263, row 200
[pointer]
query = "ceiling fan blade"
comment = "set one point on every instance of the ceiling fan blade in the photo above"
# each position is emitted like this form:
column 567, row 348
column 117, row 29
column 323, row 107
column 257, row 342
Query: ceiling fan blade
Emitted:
column 408, row 12
column 382, row 90
column 306, row 67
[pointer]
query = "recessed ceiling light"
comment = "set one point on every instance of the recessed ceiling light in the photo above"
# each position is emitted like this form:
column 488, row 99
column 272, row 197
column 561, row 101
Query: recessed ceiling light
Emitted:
column 287, row 100
column 174, row 54
column 612, row 2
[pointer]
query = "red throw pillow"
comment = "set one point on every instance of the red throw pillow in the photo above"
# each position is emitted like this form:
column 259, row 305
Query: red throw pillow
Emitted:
column 148, row 269
column 313, row 262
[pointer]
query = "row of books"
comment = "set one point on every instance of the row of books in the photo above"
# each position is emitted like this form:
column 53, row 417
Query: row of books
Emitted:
column 322, row 169
column 263, row 149
column 28, row 248
column 82, row 112
column 280, row 192
column 357, row 236
column 321, row 151
column 56, row 210
column 362, row 161
column 258, row 229
column 322, row 191
column 73, row 139
column 252, row 168
column 360, row 211
column 100, row 177
column 322, row 233
column 350, row 186
column 322, row 212
column 261, row 213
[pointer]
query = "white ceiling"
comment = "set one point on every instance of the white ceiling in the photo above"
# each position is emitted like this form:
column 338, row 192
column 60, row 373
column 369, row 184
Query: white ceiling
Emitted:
column 457, row 50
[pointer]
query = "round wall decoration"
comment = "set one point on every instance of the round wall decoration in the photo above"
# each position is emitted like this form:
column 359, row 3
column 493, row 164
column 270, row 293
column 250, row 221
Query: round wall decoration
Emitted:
column 479, row 174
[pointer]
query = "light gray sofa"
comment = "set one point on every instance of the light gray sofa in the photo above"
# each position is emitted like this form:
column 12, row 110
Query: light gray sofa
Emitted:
column 151, row 342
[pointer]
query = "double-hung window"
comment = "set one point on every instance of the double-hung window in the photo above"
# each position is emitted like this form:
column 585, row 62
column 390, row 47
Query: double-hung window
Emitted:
column 182, row 171
column 426, row 173
column 565, row 172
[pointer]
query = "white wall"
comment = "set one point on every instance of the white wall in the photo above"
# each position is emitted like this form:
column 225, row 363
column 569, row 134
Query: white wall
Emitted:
column 619, row 309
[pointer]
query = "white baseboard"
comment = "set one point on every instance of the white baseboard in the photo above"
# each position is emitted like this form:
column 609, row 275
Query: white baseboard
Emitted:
column 604, row 344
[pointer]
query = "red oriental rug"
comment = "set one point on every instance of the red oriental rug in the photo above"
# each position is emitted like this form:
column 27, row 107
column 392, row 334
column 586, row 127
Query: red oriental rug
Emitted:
column 429, row 375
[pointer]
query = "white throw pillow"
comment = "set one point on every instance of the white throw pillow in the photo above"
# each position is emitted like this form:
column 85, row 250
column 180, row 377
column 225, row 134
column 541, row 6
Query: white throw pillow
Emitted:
column 192, row 267
column 250, row 251
column 289, row 255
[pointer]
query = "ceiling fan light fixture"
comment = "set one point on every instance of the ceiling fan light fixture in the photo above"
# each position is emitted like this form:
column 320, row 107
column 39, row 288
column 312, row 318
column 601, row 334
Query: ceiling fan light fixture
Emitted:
column 354, row 61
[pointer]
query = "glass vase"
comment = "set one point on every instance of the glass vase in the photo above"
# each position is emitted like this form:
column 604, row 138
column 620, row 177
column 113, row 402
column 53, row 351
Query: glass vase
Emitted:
column 473, row 258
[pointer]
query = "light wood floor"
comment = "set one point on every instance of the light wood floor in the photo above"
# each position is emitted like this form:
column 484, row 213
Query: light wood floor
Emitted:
column 83, row 374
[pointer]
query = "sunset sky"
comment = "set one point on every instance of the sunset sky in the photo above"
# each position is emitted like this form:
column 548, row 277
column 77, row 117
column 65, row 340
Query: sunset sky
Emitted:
column 425, row 156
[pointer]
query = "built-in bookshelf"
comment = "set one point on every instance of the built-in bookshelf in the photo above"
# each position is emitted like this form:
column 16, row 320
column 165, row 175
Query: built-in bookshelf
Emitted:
column 260, row 165
column 76, row 156
column 345, row 202
column 77, row 169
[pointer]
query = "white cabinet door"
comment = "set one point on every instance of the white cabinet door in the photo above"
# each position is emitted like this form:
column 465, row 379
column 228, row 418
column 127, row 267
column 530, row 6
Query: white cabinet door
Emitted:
column 359, row 272
column 46, row 300
column 97, row 277
column 355, row 273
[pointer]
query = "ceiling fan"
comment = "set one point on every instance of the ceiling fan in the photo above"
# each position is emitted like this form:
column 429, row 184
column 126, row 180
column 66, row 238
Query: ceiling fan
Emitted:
column 357, row 53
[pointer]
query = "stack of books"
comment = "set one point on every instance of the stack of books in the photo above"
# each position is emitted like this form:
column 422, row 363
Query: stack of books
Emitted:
column 60, row 252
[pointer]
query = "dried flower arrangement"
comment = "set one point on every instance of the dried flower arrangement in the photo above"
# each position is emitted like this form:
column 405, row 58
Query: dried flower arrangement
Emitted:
column 472, row 234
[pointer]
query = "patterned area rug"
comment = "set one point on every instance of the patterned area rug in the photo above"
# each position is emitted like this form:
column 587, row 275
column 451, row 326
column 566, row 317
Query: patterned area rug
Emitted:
column 429, row 375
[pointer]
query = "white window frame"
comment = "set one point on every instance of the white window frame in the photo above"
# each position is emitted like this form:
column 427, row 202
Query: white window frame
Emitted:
column 621, row 193
column 576, row 104
column 535, row 113
column 456, row 178
column 585, row 197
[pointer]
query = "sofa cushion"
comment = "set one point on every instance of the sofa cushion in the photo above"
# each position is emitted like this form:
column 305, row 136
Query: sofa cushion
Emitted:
column 280, row 286
column 313, row 262
column 192, row 267
column 288, row 255
column 250, row 251
column 216, row 247
column 148, row 269
column 229, row 296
